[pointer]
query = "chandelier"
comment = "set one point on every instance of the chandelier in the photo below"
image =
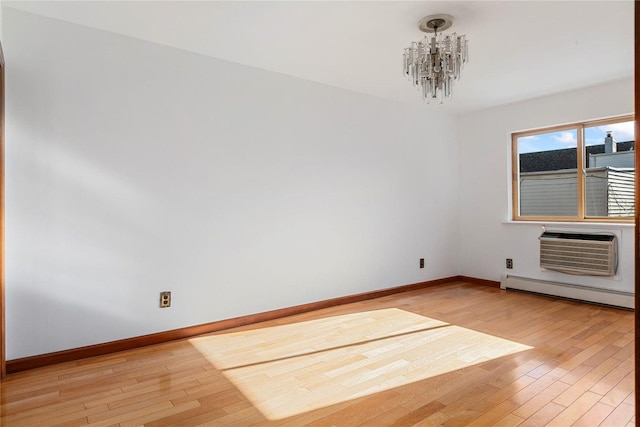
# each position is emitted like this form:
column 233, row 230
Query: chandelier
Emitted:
column 434, row 63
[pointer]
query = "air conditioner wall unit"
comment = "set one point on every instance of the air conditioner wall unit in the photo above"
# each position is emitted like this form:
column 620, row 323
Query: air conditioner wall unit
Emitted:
column 579, row 253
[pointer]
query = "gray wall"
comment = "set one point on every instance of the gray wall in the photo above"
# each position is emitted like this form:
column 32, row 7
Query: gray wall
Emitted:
column 134, row 168
column 489, row 235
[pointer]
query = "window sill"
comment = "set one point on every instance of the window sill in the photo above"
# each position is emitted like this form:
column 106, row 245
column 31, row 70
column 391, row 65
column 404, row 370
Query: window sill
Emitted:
column 584, row 224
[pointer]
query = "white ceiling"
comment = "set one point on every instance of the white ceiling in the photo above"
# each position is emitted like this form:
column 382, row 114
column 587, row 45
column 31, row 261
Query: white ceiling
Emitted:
column 518, row 49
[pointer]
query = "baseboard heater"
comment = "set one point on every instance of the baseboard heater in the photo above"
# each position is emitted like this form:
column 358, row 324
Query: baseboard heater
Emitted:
column 566, row 290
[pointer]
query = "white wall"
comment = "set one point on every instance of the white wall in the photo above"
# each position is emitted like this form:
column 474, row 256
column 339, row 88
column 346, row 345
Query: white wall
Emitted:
column 134, row 168
column 487, row 237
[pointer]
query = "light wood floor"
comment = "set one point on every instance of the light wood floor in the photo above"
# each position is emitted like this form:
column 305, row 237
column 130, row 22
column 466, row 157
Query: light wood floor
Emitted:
column 457, row 354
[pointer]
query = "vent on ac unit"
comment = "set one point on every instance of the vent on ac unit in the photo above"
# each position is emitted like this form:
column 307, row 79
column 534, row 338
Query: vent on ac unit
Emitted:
column 578, row 253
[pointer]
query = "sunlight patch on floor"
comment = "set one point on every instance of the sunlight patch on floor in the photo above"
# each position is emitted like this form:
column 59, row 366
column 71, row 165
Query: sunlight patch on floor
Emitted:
column 295, row 368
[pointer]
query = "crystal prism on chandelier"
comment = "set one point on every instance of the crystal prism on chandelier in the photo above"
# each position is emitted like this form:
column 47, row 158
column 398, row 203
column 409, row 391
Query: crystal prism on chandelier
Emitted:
column 434, row 63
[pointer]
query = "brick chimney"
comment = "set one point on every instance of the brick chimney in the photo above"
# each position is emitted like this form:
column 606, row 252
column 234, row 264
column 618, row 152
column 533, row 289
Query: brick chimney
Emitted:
column 610, row 145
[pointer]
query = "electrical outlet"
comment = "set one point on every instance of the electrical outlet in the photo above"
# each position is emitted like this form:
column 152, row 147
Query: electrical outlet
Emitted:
column 421, row 262
column 509, row 263
column 165, row 299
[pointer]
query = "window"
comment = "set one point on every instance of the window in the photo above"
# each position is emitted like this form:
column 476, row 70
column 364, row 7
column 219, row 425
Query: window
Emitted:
column 578, row 172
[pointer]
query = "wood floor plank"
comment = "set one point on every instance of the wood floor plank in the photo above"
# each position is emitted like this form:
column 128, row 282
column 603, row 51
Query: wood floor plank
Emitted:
column 493, row 415
column 576, row 410
column 418, row 414
column 541, row 399
column 152, row 415
column 605, row 384
column 506, row 392
column 616, row 395
column 509, row 421
column 586, row 382
column 544, row 415
column 620, row 416
column 594, row 416
column 404, row 359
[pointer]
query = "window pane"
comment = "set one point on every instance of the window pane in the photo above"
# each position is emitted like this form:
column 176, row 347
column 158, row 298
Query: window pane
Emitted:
column 610, row 170
column 548, row 179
